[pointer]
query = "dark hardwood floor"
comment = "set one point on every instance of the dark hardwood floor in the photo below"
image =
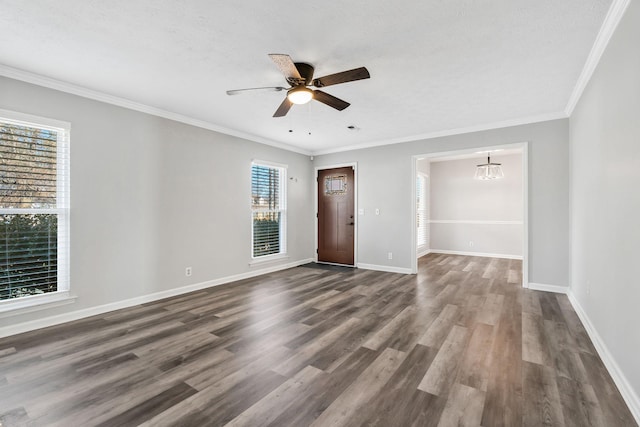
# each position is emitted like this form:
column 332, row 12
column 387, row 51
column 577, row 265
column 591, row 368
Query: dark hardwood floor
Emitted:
column 461, row 343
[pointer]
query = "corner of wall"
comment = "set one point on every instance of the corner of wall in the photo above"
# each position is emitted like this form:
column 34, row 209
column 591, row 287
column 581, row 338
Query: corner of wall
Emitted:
column 629, row 395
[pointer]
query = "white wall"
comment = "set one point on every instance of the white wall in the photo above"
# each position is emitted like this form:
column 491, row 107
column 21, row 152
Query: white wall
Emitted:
column 150, row 196
column 385, row 177
column 477, row 216
column 605, row 204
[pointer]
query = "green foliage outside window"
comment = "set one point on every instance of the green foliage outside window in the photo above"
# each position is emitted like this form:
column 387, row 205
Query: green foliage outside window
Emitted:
column 28, row 254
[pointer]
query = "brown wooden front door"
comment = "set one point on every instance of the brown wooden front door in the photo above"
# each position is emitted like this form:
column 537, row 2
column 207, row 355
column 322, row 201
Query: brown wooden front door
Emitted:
column 336, row 220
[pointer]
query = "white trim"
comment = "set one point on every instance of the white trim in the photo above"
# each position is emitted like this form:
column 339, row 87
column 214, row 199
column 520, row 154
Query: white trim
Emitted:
column 525, row 213
column 548, row 288
column 267, row 259
column 479, row 155
column 480, row 254
column 51, row 83
column 609, row 25
column 354, row 166
column 629, row 395
column 471, row 221
column 433, row 156
column 92, row 311
column 269, row 163
column 387, row 268
column 458, row 131
column 16, row 306
column 424, row 252
column 18, row 118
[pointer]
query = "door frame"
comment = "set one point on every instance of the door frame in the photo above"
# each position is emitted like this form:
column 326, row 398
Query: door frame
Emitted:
column 524, row 147
column 353, row 165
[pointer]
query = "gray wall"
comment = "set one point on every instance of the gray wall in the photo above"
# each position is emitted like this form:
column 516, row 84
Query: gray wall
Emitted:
column 151, row 196
column 605, row 196
column 384, row 181
column 477, row 207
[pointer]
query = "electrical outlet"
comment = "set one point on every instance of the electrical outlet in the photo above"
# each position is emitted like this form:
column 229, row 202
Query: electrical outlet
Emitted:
column 471, row 244
column 377, row 211
column 390, row 255
column 188, row 271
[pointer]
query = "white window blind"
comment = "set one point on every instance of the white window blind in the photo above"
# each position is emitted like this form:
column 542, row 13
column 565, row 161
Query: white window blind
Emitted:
column 268, row 209
column 421, row 210
column 33, row 208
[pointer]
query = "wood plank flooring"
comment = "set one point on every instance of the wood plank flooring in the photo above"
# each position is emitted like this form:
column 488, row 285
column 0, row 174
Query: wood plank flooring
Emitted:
column 459, row 344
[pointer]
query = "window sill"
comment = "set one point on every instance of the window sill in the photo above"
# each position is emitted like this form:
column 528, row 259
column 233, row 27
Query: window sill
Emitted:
column 268, row 259
column 28, row 304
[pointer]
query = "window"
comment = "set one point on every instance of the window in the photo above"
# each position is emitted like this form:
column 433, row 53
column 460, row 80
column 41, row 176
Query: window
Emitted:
column 268, row 209
column 421, row 207
column 34, row 182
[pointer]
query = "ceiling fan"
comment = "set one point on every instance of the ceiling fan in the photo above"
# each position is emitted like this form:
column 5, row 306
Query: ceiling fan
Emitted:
column 299, row 75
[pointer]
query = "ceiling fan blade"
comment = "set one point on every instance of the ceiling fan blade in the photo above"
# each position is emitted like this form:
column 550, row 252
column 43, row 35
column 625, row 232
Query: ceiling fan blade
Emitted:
column 283, row 109
column 330, row 100
column 256, row 89
column 343, row 77
column 286, row 66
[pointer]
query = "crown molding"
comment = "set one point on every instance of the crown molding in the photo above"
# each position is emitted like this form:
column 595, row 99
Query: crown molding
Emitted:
column 449, row 132
column 59, row 85
column 609, row 25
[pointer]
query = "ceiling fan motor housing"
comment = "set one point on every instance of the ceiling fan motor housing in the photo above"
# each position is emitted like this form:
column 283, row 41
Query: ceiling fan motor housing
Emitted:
column 306, row 72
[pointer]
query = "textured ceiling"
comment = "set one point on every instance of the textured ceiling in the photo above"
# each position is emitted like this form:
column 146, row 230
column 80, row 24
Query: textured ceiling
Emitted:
column 435, row 65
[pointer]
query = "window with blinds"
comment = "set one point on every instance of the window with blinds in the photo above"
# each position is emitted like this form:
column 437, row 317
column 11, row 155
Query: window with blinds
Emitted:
column 421, row 210
column 33, row 209
column 268, row 209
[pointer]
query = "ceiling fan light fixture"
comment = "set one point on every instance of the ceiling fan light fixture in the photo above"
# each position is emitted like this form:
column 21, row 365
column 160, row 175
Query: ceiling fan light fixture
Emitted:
column 300, row 95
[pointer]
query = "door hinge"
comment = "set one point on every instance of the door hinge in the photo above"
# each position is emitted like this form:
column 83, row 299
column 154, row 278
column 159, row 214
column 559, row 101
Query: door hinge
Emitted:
column 316, row 250
column 317, row 215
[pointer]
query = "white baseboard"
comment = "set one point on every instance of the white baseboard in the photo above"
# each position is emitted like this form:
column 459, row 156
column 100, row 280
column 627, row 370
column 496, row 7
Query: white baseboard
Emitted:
column 481, row 254
column 92, row 311
column 424, row 252
column 626, row 390
column 387, row 268
column 548, row 288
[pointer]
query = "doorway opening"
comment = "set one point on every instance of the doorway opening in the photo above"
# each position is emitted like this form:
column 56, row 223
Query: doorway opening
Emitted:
column 454, row 213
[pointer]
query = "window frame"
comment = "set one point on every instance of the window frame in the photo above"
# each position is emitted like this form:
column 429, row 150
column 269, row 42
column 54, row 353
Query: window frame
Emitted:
column 62, row 210
column 282, row 209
